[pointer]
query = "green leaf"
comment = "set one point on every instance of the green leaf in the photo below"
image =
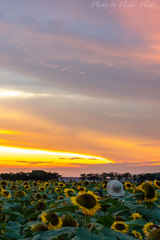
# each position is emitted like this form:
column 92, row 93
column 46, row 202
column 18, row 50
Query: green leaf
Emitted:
column 122, row 236
column 13, row 234
column 4, row 238
column 29, row 211
column 107, row 234
column 37, row 237
column 137, row 222
column 83, row 233
column 71, row 209
column 106, row 221
column 50, row 235
column 108, row 200
column 35, row 215
column 153, row 212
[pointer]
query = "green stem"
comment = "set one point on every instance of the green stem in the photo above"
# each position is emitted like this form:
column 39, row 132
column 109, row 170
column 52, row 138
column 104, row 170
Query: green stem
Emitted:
column 79, row 219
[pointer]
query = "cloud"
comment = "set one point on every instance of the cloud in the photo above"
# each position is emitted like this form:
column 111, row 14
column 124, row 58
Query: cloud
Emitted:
column 28, row 162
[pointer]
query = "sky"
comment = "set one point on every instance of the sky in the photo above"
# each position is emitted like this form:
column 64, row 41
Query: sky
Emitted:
column 79, row 86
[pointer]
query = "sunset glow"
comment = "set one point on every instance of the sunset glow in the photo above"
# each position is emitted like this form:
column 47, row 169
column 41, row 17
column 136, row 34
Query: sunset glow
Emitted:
column 79, row 87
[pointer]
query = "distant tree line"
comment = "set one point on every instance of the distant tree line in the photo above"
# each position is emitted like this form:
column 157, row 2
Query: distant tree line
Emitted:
column 119, row 176
column 34, row 175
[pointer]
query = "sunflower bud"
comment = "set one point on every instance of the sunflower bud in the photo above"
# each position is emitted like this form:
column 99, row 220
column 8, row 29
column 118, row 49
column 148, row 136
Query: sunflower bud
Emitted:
column 69, row 222
column 40, row 205
column 41, row 227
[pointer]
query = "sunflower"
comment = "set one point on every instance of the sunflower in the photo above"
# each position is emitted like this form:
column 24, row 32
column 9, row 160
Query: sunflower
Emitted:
column 53, row 206
column 40, row 205
column 104, row 181
column 27, row 187
column 155, row 234
column 86, row 183
column 51, row 192
column 120, row 227
column 104, row 186
column 147, row 227
column 40, row 227
column 38, row 196
column 25, row 183
column 68, row 192
column 69, row 222
column 157, row 183
column 19, row 194
column 19, row 181
column 150, row 193
column 128, row 185
column 4, row 183
column 74, row 184
column 55, row 184
column 42, row 189
column 13, row 187
column 44, row 196
column 88, row 202
column 58, row 190
column 135, row 216
column 81, row 189
column 54, row 221
column 61, row 184
column 46, row 185
column 60, row 198
column 35, row 184
column 137, row 234
column 40, row 181
column 140, row 197
column 6, row 194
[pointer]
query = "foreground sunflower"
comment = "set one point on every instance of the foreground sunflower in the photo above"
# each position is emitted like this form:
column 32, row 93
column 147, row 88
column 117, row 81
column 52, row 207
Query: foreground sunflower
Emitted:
column 155, row 234
column 54, row 221
column 157, row 183
column 120, row 227
column 88, row 202
column 150, row 193
column 137, row 234
column 148, row 227
column 68, row 192
column 6, row 194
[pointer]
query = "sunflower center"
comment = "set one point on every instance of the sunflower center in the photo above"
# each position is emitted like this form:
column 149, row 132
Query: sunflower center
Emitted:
column 52, row 218
column 150, row 192
column 69, row 222
column 129, row 185
column 86, row 200
column 158, row 183
column 155, row 234
column 69, row 192
column 120, row 226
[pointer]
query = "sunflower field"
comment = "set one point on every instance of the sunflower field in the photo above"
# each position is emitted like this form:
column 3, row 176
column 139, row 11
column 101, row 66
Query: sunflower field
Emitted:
column 36, row 210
